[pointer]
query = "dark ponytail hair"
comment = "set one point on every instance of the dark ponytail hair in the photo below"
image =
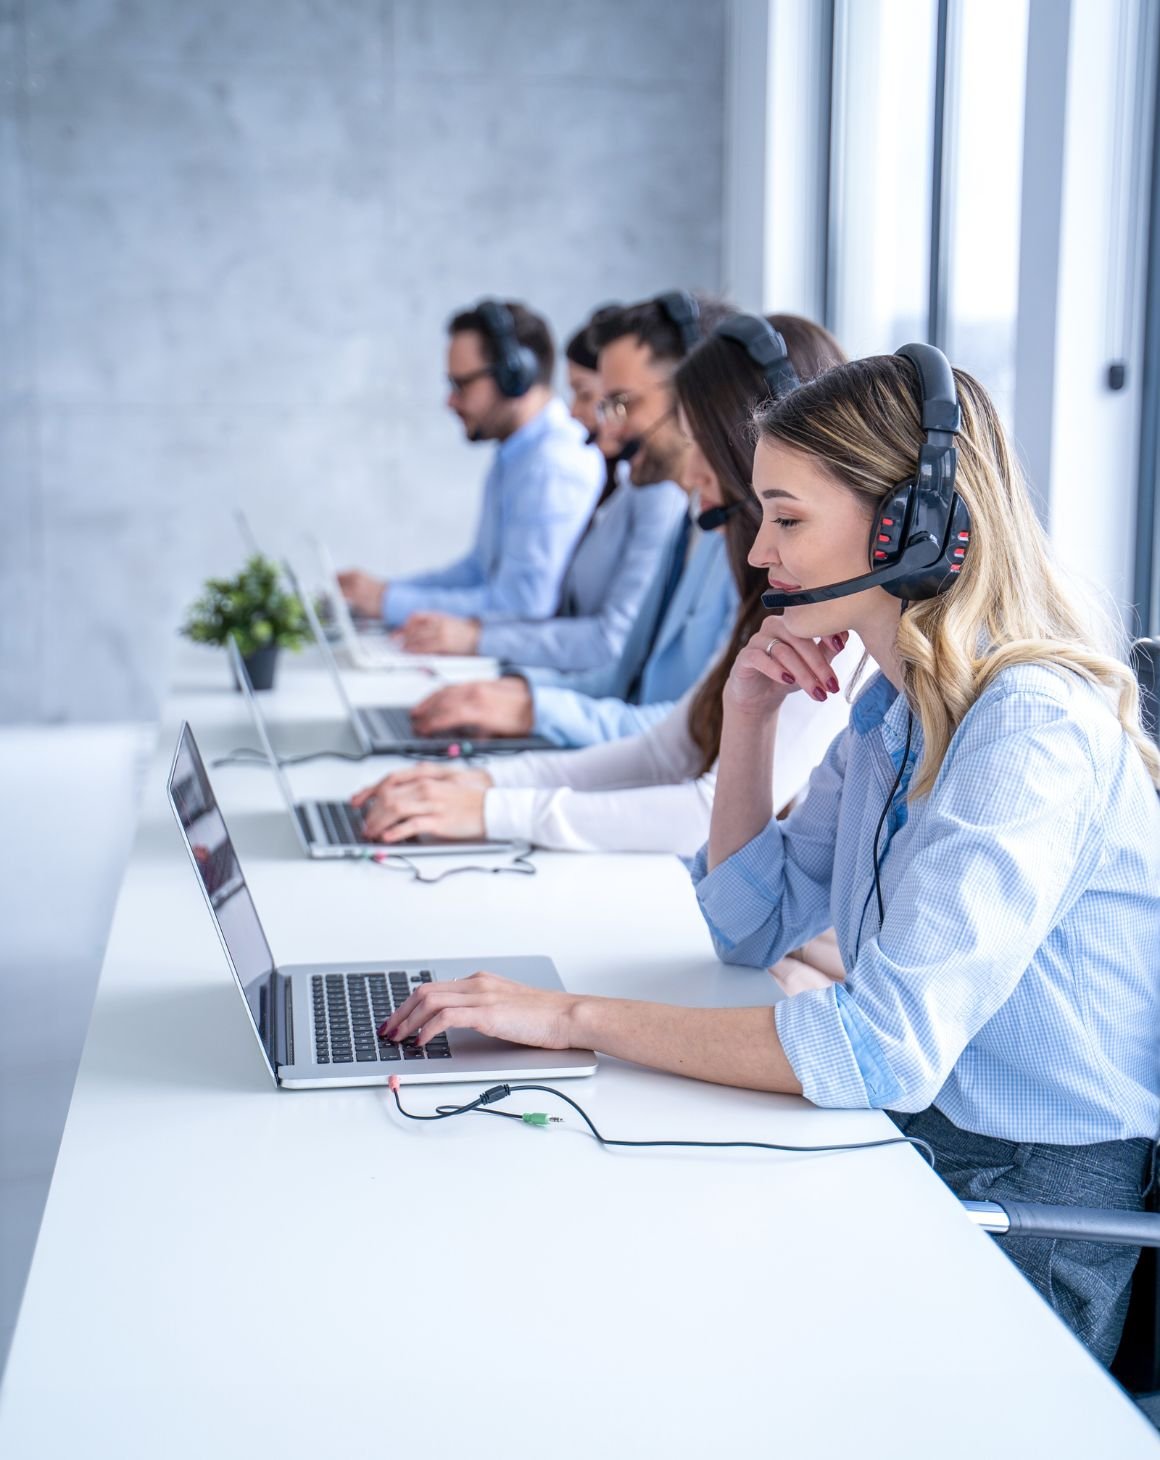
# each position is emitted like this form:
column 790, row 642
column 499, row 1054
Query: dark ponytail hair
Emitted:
column 719, row 389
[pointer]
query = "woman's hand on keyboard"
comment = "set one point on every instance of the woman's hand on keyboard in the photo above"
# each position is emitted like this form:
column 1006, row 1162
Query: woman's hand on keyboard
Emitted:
column 490, row 1004
column 423, row 770
column 441, row 805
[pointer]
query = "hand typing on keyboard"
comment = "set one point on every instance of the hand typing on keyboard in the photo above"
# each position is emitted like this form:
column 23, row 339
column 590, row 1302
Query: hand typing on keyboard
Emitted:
column 406, row 805
column 492, row 1005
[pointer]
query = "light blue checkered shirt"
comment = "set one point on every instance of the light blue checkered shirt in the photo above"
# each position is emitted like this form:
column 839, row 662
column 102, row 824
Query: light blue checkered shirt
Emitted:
column 538, row 496
column 1015, row 981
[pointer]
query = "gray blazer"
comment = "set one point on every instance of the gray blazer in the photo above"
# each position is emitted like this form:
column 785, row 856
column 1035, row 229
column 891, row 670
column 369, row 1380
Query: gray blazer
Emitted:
column 608, row 584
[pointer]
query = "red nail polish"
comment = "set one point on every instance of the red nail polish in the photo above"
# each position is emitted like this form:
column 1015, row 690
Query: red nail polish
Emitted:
column 819, row 694
column 836, row 642
column 788, row 678
column 832, row 685
column 383, row 1031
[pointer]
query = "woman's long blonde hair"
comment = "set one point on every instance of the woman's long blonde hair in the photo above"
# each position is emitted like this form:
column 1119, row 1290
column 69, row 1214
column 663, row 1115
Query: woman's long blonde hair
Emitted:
column 1010, row 604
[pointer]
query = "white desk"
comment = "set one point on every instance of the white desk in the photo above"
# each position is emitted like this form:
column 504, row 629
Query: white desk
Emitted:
column 225, row 1269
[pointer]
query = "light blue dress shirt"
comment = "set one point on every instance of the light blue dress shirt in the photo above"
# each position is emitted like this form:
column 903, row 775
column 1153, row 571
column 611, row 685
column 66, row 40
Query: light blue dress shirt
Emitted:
column 605, row 588
column 693, row 632
column 1015, row 981
column 537, row 499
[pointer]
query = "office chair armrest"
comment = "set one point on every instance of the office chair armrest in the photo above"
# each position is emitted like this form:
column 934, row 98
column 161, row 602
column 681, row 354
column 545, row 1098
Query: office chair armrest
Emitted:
column 1079, row 1224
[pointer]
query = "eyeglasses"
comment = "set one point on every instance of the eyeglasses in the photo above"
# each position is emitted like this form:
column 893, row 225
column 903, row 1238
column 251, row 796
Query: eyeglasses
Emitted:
column 459, row 383
column 614, row 409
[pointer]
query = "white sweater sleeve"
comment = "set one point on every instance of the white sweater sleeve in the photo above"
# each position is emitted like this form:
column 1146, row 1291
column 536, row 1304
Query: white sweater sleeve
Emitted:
column 642, row 794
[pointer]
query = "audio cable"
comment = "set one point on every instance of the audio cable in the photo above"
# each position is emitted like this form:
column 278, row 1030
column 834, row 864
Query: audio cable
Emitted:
column 489, row 1097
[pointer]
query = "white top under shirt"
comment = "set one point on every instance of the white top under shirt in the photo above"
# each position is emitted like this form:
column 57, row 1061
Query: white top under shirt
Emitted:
column 642, row 793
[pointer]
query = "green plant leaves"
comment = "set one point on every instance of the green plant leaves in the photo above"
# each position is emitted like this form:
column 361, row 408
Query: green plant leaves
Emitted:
column 251, row 608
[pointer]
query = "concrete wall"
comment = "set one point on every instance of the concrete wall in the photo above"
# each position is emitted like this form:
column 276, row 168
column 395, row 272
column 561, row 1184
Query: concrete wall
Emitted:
column 230, row 235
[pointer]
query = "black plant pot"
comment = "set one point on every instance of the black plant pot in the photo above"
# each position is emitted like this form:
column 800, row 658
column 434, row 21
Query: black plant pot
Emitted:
column 260, row 666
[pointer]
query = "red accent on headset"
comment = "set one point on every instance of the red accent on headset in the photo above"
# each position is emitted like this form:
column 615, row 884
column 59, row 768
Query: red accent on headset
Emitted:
column 956, row 567
column 964, row 536
column 878, row 553
column 888, row 522
column 882, row 537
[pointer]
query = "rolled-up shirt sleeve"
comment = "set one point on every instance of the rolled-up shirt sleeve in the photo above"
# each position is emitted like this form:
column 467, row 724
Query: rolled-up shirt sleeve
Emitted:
column 999, row 857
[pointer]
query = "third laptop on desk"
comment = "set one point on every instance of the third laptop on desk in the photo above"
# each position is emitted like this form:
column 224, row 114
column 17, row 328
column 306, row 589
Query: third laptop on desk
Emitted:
column 329, row 829
column 376, row 649
column 387, row 729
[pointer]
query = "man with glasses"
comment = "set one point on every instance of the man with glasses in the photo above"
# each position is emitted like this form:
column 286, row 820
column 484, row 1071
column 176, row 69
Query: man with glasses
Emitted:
column 539, row 493
column 679, row 632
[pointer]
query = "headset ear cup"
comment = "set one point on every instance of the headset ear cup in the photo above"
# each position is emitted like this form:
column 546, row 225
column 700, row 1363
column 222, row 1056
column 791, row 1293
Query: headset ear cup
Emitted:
column 516, row 366
column 527, row 370
column 960, row 536
column 888, row 533
column 516, row 371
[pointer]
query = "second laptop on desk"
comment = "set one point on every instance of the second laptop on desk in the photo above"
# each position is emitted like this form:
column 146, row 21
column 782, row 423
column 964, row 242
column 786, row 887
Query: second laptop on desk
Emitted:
column 329, row 829
column 387, row 729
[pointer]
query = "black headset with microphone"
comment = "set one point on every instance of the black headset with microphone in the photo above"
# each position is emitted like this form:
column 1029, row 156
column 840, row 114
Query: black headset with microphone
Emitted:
column 767, row 350
column 516, row 367
column 922, row 528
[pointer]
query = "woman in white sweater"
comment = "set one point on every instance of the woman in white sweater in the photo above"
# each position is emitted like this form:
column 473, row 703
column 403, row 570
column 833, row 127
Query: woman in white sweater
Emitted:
column 650, row 792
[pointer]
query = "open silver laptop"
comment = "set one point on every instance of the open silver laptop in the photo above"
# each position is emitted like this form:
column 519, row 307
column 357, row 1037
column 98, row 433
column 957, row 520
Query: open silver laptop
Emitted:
column 387, row 729
column 376, row 649
column 335, row 828
column 316, row 1023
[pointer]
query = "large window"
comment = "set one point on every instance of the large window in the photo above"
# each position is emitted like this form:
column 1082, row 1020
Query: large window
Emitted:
column 898, row 67
column 883, row 91
column 984, row 181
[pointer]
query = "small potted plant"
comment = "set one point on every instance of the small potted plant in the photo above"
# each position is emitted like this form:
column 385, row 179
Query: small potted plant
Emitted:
column 254, row 609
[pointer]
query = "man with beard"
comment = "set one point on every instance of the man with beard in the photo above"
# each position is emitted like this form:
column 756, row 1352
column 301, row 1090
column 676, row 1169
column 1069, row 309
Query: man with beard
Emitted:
column 617, row 573
column 540, row 491
column 639, row 350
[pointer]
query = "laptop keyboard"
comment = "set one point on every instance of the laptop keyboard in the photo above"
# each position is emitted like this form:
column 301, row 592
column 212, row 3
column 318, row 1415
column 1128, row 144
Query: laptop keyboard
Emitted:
column 389, row 724
column 342, row 822
column 348, row 1009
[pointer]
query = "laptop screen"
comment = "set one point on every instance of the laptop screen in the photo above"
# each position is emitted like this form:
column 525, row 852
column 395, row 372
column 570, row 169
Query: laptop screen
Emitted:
column 212, row 853
column 238, row 665
column 327, row 656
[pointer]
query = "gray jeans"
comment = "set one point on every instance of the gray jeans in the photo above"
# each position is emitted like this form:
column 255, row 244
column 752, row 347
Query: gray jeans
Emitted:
column 1086, row 1283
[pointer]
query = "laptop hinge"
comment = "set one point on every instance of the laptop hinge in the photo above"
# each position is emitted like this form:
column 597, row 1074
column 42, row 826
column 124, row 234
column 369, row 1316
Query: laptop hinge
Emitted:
column 304, row 823
column 281, row 1027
